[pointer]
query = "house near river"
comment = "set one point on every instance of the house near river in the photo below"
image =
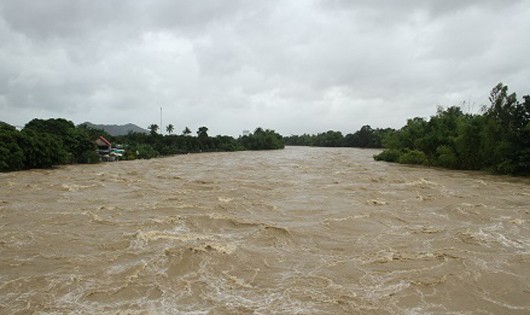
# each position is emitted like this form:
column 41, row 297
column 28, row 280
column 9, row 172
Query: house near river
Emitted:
column 106, row 152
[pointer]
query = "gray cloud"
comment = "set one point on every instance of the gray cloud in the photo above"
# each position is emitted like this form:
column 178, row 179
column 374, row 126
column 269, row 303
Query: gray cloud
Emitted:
column 295, row 66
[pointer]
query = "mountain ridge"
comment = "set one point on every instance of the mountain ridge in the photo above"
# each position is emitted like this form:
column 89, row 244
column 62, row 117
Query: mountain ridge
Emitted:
column 117, row 130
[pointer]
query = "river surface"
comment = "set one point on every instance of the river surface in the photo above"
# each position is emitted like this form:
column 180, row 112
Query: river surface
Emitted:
column 295, row 231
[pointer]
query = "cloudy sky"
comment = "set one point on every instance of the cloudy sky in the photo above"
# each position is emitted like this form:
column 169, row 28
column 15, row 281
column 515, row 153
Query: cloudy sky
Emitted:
column 295, row 66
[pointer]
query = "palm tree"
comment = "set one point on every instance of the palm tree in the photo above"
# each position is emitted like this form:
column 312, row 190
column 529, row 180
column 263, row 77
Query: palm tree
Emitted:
column 170, row 128
column 186, row 131
column 153, row 128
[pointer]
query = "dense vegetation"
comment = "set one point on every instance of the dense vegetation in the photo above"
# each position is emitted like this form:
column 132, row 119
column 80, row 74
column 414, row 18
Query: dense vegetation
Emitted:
column 140, row 145
column 366, row 137
column 497, row 140
column 44, row 143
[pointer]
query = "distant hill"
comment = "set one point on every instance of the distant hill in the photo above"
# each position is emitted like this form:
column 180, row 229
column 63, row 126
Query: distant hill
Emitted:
column 117, row 130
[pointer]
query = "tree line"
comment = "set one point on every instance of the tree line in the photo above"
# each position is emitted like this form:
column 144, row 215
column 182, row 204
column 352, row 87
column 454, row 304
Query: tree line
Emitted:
column 45, row 143
column 140, row 145
column 366, row 137
column 496, row 140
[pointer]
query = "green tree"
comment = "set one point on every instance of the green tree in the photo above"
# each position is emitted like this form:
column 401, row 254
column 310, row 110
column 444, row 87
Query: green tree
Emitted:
column 202, row 132
column 153, row 129
column 502, row 105
column 43, row 150
column 363, row 138
column 470, row 142
column 329, row 139
column 186, row 131
column 262, row 140
column 170, row 128
column 11, row 154
column 55, row 126
column 75, row 141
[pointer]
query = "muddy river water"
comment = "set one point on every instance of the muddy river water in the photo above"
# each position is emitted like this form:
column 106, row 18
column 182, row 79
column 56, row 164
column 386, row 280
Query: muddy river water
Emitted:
column 295, row 231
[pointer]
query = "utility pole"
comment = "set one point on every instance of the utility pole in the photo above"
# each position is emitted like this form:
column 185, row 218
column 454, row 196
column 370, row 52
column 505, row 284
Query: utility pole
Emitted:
column 161, row 128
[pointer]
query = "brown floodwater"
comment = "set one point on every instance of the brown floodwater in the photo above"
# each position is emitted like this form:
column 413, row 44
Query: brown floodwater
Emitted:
column 296, row 231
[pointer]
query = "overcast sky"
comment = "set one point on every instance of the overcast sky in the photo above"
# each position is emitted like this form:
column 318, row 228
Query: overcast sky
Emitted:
column 295, row 66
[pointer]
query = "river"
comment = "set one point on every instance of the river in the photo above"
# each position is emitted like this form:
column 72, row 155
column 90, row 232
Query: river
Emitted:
column 295, row 231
